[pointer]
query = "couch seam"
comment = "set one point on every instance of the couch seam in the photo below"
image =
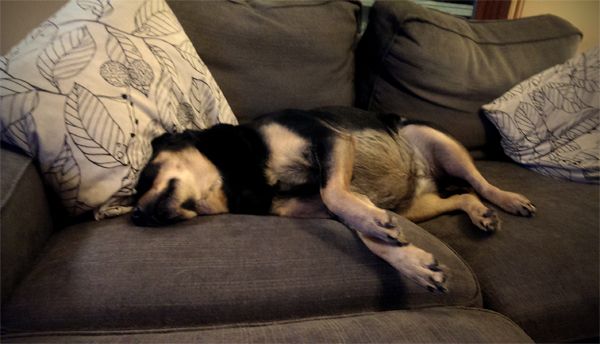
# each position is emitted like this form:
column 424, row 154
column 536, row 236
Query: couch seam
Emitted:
column 473, row 275
column 248, row 324
column 506, row 319
column 422, row 20
column 379, row 66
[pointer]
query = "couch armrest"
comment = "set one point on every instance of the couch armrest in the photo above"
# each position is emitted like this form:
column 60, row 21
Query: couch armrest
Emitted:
column 25, row 217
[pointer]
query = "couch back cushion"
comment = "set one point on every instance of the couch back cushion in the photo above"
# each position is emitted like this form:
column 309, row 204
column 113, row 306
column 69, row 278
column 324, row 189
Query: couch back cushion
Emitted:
column 437, row 67
column 268, row 55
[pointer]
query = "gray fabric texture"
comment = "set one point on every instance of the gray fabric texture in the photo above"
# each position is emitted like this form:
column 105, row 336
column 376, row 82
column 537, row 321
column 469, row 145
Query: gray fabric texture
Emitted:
column 25, row 221
column 436, row 67
column 283, row 54
column 541, row 272
column 217, row 270
column 431, row 325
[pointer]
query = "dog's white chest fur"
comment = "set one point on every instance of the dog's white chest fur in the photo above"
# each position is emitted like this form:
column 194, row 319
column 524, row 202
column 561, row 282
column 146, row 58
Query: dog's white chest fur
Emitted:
column 289, row 159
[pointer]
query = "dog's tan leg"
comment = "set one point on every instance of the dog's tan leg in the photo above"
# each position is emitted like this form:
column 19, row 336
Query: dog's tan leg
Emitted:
column 430, row 205
column 356, row 211
column 379, row 229
column 296, row 207
column 452, row 158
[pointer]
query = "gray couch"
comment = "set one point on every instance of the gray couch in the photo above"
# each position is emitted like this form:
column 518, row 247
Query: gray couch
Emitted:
column 241, row 278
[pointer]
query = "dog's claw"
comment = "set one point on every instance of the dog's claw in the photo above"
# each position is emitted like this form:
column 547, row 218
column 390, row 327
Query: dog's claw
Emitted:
column 389, row 221
column 391, row 225
column 517, row 204
column 386, row 224
column 435, row 266
column 437, row 286
column 529, row 209
column 398, row 239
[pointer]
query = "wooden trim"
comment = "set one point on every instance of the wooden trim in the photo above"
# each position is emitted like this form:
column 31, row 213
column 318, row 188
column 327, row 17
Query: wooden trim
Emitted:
column 516, row 9
column 492, row 9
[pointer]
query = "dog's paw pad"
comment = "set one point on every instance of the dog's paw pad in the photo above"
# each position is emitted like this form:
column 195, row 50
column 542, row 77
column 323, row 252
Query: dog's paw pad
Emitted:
column 490, row 222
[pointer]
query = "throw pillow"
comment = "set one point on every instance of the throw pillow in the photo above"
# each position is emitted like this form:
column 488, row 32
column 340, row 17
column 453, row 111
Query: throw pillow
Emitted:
column 550, row 122
column 87, row 91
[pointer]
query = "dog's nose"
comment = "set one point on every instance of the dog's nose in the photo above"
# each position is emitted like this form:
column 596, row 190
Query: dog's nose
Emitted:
column 138, row 217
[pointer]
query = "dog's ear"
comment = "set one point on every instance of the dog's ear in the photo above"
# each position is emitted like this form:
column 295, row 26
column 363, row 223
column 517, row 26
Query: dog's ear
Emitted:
column 174, row 142
column 161, row 141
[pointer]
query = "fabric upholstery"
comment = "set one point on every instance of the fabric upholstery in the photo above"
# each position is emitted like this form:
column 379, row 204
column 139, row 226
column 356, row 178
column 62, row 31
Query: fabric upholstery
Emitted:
column 217, row 270
column 283, row 54
column 25, row 221
column 431, row 325
column 541, row 272
column 436, row 67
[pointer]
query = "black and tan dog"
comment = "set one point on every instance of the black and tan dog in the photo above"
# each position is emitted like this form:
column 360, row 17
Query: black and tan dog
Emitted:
column 371, row 171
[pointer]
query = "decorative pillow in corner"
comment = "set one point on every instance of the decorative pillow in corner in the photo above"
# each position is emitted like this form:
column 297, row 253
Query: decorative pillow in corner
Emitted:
column 87, row 91
column 550, row 122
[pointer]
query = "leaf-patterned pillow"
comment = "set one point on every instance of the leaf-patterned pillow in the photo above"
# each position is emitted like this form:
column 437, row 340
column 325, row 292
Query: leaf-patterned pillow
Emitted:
column 87, row 91
column 550, row 122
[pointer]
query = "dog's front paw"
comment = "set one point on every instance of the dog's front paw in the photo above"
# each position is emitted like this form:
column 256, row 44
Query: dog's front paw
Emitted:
column 517, row 204
column 380, row 224
column 391, row 223
column 421, row 267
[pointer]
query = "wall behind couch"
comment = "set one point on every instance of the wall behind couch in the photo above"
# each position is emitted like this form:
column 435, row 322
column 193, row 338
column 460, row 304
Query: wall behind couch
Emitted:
column 18, row 17
column 585, row 14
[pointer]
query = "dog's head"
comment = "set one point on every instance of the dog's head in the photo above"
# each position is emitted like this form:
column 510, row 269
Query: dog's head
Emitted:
column 178, row 183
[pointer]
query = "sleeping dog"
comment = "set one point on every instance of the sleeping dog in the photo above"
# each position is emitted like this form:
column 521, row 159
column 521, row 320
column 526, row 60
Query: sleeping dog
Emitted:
column 371, row 171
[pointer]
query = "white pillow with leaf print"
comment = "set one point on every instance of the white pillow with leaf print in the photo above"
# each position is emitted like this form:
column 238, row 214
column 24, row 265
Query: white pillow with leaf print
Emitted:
column 87, row 91
column 550, row 122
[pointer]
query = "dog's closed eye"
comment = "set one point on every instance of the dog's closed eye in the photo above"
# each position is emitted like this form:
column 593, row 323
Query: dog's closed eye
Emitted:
column 189, row 204
column 147, row 177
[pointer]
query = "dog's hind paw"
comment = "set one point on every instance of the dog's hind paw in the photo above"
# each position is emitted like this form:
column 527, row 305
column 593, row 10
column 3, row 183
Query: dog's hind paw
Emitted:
column 489, row 221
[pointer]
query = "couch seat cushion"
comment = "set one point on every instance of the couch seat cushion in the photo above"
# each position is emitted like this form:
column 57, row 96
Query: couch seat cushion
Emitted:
column 431, row 325
column 542, row 272
column 217, row 270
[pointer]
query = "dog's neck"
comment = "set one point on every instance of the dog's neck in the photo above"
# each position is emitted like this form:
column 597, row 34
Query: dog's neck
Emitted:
column 240, row 155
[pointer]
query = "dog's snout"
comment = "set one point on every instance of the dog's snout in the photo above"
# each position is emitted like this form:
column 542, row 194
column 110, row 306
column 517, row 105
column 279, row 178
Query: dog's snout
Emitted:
column 139, row 217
